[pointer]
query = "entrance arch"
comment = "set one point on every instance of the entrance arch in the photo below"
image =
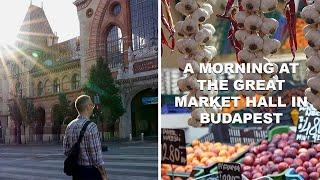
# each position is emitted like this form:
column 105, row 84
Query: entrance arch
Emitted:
column 39, row 124
column 144, row 113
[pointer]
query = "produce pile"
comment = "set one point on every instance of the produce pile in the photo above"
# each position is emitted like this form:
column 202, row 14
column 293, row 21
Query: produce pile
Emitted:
column 255, row 36
column 311, row 15
column 281, row 153
column 194, row 45
column 206, row 154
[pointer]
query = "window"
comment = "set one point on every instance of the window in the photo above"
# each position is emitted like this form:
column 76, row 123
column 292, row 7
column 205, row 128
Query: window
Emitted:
column 75, row 81
column 65, row 83
column 116, row 9
column 56, row 86
column 47, row 87
column 114, row 47
column 144, row 22
column 40, row 89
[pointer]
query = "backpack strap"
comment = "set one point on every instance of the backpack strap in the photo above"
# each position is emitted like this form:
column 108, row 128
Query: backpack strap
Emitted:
column 83, row 130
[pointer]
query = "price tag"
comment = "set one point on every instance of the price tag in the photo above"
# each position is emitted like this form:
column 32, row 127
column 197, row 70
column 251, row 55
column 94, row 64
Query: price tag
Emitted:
column 229, row 171
column 308, row 128
column 173, row 147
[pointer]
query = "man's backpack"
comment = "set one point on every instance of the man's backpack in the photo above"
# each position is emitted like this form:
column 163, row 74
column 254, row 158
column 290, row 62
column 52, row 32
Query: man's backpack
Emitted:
column 71, row 162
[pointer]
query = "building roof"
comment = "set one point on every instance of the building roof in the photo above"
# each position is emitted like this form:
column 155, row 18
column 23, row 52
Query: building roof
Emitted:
column 35, row 26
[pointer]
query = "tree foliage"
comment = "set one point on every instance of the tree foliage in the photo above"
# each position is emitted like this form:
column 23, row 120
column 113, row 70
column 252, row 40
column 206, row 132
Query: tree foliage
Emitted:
column 101, row 82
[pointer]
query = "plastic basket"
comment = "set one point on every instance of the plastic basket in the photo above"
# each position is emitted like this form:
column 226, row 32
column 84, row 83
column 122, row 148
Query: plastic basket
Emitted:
column 292, row 175
column 277, row 130
column 197, row 173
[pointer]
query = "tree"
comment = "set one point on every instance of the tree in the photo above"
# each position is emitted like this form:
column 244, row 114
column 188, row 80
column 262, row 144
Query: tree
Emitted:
column 101, row 83
column 63, row 113
column 22, row 112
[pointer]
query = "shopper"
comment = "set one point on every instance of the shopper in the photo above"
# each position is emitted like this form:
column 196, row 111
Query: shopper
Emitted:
column 90, row 162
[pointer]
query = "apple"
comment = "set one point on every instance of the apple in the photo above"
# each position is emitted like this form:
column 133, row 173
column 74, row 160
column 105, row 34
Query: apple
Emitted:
column 295, row 145
column 311, row 169
column 264, row 160
column 248, row 160
column 247, row 174
column 307, row 164
column 317, row 147
column 314, row 176
column 312, row 152
column 314, row 161
column 304, row 175
column 301, row 169
column 304, row 144
column 304, row 156
column 282, row 166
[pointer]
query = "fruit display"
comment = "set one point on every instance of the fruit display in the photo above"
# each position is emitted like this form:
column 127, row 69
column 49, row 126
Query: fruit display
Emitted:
column 255, row 33
column 281, row 153
column 301, row 41
column 204, row 155
column 311, row 15
column 195, row 47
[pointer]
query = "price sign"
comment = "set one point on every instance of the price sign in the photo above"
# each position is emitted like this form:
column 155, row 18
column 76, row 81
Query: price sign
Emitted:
column 229, row 171
column 308, row 128
column 173, row 147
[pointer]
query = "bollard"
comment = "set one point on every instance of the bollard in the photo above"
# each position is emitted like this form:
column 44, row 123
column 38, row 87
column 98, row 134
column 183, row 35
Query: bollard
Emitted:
column 142, row 136
column 130, row 137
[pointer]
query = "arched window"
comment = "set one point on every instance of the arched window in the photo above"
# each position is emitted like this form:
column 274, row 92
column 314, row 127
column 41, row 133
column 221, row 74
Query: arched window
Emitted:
column 114, row 47
column 47, row 87
column 75, row 81
column 56, row 86
column 40, row 89
column 144, row 23
column 65, row 83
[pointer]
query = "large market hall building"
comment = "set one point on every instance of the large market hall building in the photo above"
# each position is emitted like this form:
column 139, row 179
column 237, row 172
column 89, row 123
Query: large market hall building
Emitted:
column 122, row 32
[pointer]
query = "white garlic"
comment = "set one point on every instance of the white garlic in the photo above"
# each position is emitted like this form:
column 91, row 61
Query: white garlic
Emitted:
column 253, row 43
column 190, row 26
column 251, row 5
column 245, row 56
column 240, row 17
column 207, row 7
column 309, row 51
column 252, row 23
column 186, row 46
column 269, row 25
column 182, row 85
column 313, row 38
column 241, row 35
column 313, row 63
column 203, row 36
column 210, row 27
column 270, row 46
column 200, row 15
column 310, row 15
column 268, row 5
column 186, row 7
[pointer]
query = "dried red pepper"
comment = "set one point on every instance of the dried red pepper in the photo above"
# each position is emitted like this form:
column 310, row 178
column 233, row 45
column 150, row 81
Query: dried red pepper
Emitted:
column 291, row 26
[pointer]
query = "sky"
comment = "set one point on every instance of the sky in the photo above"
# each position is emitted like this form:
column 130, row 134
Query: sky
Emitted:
column 62, row 16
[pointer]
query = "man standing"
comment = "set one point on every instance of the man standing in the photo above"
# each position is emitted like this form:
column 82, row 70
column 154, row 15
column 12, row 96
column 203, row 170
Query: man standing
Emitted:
column 90, row 157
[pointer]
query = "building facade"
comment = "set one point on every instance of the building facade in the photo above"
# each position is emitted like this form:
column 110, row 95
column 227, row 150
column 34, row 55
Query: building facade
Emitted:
column 122, row 32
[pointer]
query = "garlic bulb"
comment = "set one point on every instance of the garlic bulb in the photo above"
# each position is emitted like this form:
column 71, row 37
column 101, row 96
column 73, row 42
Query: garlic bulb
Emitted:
column 252, row 23
column 205, row 76
column 241, row 35
column 269, row 25
column 192, row 82
column 207, row 7
column 190, row 26
column 317, row 5
column 313, row 63
column 309, row 51
column 203, row 36
column 194, row 122
column 186, row 46
column 314, row 85
column 206, row 93
column 251, row 5
column 311, row 74
column 253, row 43
column 182, row 85
column 179, row 28
column 268, row 5
column 200, row 15
column 214, row 110
column 308, row 28
column 270, row 46
column 196, row 113
column 310, row 15
column 245, row 56
column 313, row 38
column 240, row 17
column 210, row 27
column 204, row 55
column 186, row 7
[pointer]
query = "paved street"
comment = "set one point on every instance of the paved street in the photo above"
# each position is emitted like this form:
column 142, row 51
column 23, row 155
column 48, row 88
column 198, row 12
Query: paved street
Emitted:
column 45, row 162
